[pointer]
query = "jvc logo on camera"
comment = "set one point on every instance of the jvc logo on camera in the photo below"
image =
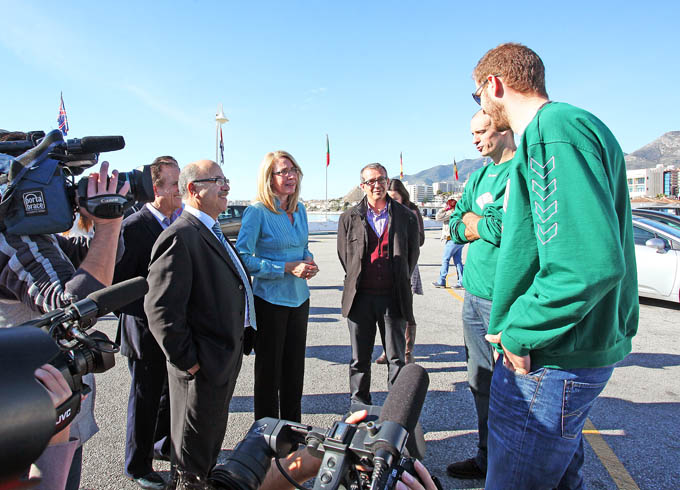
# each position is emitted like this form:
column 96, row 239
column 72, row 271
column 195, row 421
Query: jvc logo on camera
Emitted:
column 64, row 416
column 34, row 202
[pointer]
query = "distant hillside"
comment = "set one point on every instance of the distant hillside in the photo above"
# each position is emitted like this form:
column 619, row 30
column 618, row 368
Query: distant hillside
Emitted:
column 444, row 173
column 664, row 150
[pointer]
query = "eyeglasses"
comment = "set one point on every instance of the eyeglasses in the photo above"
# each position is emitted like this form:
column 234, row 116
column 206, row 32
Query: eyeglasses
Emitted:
column 294, row 171
column 379, row 180
column 477, row 94
column 220, row 181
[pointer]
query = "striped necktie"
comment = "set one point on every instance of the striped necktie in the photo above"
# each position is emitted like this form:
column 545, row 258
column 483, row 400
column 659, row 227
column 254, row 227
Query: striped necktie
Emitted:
column 241, row 272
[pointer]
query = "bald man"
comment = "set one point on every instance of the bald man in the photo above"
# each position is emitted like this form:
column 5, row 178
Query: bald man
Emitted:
column 476, row 220
column 199, row 305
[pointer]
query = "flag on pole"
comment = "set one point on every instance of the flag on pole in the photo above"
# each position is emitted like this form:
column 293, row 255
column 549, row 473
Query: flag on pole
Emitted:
column 221, row 147
column 62, row 120
column 401, row 166
column 455, row 168
column 328, row 153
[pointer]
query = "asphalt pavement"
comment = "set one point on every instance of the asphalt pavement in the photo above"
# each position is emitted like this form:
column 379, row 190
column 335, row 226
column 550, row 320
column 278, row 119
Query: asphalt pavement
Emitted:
column 633, row 440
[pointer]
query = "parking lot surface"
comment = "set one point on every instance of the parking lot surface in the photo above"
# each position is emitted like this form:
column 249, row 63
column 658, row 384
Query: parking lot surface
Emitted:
column 633, row 438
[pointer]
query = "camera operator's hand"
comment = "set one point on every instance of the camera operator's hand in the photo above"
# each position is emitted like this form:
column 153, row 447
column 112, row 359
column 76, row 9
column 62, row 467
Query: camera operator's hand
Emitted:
column 300, row 465
column 409, row 482
column 101, row 256
column 98, row 183
column 59, row 390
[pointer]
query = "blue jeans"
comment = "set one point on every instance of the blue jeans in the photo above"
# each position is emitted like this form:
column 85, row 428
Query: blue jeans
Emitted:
column 479, row 354
column 454, row 251
column 535, row 424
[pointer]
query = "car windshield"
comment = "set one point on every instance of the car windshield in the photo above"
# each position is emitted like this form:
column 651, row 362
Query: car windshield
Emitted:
column 659, row 227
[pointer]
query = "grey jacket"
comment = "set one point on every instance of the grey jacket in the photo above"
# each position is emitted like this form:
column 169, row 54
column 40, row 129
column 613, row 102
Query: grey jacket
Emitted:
column 404, row 249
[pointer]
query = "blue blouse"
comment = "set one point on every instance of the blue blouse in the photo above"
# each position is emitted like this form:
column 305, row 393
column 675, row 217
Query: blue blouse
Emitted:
column 266, row 242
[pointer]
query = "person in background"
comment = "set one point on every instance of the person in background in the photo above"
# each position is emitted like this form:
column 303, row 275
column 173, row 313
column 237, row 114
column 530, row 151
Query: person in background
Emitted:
column 273, row 243
column 148, row 416
column 378, row 247
column 398, row 192
column 477, row 220
column 452, row 250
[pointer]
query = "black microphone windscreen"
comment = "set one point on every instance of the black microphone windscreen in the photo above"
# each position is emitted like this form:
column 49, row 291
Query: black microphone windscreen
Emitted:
column 115, row 297
column 405, row 400
column 99, row 144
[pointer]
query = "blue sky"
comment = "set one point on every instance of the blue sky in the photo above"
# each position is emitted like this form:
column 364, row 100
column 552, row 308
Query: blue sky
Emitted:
column 379, row 77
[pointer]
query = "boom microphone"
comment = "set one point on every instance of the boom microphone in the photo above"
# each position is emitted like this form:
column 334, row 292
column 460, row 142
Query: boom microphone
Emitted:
column 115, row 297
column 405, row 400
column 95, row 144
column 398, row 419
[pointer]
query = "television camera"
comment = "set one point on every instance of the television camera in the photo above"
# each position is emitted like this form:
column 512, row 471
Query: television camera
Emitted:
column 41, row 195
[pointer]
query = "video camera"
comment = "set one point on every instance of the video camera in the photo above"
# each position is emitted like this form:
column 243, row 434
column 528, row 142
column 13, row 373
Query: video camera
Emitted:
column 28, row 416
column 370, row 455
column 41, row 195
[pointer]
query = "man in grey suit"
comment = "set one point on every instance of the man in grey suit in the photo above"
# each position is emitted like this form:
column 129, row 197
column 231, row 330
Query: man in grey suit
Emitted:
column 199, row 305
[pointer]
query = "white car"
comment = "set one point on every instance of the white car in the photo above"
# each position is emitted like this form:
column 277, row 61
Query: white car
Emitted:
column 657, row 252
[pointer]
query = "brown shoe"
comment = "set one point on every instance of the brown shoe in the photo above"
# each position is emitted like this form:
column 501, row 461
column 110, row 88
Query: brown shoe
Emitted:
column 410, row 342
column 466, row 470
column 382, row 359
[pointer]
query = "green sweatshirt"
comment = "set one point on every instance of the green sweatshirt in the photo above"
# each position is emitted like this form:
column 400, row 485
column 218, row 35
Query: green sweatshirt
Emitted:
column 483, row 195
column 566, row 283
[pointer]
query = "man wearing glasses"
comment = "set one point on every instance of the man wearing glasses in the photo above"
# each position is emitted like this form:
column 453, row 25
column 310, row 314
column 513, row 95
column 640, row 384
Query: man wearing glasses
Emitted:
column 565, row 304
column 199, row 306
column 378, row 247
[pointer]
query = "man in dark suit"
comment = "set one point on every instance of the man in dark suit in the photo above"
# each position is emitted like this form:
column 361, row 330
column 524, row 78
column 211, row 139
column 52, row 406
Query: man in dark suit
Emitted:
column 199, row 303
column 148, row 418
column 378, row 247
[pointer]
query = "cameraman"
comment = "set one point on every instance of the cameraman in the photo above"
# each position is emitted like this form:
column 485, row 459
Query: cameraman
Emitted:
column 39, row 273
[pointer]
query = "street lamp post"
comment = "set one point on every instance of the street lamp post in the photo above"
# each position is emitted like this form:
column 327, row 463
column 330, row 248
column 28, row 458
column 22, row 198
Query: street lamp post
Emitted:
column 220, row 119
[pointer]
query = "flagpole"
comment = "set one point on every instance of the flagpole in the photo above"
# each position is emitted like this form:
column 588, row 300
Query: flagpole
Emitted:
column 328, row 161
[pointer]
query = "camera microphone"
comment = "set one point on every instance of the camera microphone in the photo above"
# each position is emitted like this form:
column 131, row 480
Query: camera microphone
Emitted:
column 405, row 400
column 398, row 418
column 104, row 301
column 95, row 144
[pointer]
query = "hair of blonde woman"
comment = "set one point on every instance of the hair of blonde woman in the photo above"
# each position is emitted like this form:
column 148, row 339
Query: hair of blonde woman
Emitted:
column 265, row 189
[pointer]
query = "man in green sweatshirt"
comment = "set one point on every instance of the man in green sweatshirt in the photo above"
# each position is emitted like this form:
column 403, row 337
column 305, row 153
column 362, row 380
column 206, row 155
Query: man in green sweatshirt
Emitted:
column 477, row 220
column 565, row 300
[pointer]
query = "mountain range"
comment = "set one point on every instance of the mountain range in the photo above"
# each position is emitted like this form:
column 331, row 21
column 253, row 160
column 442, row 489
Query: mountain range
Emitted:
column 664, row 150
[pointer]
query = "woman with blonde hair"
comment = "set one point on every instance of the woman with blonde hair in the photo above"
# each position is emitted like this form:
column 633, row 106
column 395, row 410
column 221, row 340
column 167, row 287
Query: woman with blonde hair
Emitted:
column 273, row 243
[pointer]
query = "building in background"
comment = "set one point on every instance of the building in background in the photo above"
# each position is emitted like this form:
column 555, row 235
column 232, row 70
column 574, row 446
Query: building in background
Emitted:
column 646, row 182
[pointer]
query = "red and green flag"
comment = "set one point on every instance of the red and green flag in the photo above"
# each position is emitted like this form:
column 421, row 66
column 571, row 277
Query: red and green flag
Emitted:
column 328, row 152
column 455, row 168
column 401, row 166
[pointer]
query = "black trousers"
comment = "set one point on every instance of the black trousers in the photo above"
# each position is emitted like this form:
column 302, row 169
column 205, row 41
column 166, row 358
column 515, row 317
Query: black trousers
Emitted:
column 199, row 411
column 148, row 419
column 369, row 311
column 280, row 359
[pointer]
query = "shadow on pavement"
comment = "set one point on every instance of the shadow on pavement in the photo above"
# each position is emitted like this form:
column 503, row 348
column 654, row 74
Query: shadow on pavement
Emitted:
column 651, row 360
column 337, row 288
column 324, row 310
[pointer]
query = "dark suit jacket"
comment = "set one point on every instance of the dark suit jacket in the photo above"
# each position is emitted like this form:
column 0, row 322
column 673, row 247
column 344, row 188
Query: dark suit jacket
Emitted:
column 403, row 245
column 196, row 302
column 140, row 231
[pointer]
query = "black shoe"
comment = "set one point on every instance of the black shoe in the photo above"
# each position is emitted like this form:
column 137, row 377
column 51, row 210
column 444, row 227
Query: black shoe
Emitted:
column 466, row 470
column 152, row 481
column 191, row 481
column 438, row 284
